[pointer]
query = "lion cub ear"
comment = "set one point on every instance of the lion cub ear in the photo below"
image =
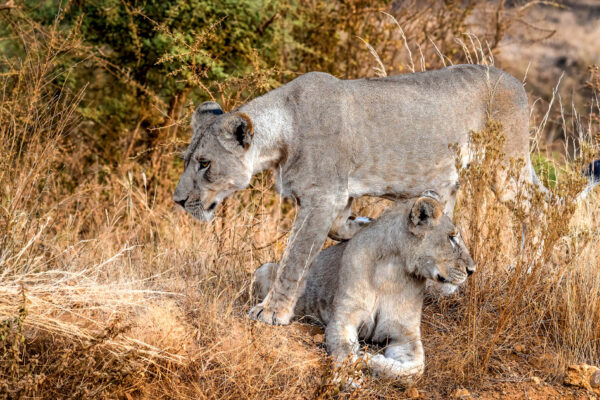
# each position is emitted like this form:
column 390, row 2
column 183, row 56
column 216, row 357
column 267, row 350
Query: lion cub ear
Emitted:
column 424, row 213
column 204, row 112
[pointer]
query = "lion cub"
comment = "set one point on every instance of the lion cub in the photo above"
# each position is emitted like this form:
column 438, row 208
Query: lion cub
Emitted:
column 372, row 286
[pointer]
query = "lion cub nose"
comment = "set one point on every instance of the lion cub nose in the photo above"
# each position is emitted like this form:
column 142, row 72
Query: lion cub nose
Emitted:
column 181, row 202
column 470, row 270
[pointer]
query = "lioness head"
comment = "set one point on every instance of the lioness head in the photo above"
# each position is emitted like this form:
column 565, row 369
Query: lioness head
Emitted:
column 437, row 251
column 215, row 162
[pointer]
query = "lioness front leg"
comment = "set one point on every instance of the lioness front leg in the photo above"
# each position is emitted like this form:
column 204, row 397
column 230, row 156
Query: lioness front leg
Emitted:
column 305, row 242
column 344, row 226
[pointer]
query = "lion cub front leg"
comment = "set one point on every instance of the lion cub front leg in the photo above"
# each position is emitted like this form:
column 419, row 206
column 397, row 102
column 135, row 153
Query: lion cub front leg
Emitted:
column 342, row 345
column 263, row 280
column 344, row 226
column 341, row 337
column 404, row 359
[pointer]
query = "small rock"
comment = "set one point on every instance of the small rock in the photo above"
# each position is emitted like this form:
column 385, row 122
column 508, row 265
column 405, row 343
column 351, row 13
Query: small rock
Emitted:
column 461, row 394
column 412, row 393
column 536, row 380
column 584, row 376
column 595, row 379
column 519, row 348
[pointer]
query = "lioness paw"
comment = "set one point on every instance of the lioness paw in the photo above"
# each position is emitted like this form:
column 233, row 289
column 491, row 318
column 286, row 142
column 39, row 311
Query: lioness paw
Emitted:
column 349, row 228
column 270, row 315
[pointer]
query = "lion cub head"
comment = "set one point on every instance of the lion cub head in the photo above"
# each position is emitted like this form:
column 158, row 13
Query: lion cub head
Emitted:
column 436, row 249
column 215, row 162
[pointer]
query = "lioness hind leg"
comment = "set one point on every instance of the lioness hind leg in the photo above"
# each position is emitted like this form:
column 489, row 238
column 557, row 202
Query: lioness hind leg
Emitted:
column 506, row 187
column 263, row 279
column 344, row 226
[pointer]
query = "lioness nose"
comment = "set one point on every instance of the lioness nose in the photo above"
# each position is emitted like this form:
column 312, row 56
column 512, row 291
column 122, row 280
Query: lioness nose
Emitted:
column 470, row 271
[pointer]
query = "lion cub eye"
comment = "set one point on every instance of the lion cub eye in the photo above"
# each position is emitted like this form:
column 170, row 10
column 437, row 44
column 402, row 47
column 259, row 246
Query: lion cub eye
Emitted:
column 203, row 164
column 453, row 240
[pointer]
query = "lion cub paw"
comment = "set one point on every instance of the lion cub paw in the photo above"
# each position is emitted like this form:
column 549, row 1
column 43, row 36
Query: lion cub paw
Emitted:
column 347, row 382
column 405, row 373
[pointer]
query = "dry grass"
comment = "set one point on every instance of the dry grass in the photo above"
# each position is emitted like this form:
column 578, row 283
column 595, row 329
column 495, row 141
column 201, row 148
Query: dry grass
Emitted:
column 106, row 290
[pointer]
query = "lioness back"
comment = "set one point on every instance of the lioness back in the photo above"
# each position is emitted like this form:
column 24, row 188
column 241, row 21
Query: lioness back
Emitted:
column 361, row 119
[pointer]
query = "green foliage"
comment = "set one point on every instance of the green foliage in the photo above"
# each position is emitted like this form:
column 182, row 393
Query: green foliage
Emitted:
column 219, row 38
column 143, row 62
column 545, row 169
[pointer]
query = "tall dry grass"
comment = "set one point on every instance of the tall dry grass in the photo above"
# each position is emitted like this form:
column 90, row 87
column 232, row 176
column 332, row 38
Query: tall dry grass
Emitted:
column 107, row 290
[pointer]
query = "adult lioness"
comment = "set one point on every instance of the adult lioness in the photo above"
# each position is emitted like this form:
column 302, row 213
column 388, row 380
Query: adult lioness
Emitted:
column 372, row 286
column 330, row 140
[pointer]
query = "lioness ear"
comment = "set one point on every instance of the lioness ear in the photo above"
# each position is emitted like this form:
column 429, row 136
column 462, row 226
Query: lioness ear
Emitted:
column 425, row 212
column 203, row 111
column 243, row 129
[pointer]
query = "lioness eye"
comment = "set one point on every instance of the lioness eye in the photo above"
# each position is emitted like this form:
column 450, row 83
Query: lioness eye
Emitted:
column 203, row 164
